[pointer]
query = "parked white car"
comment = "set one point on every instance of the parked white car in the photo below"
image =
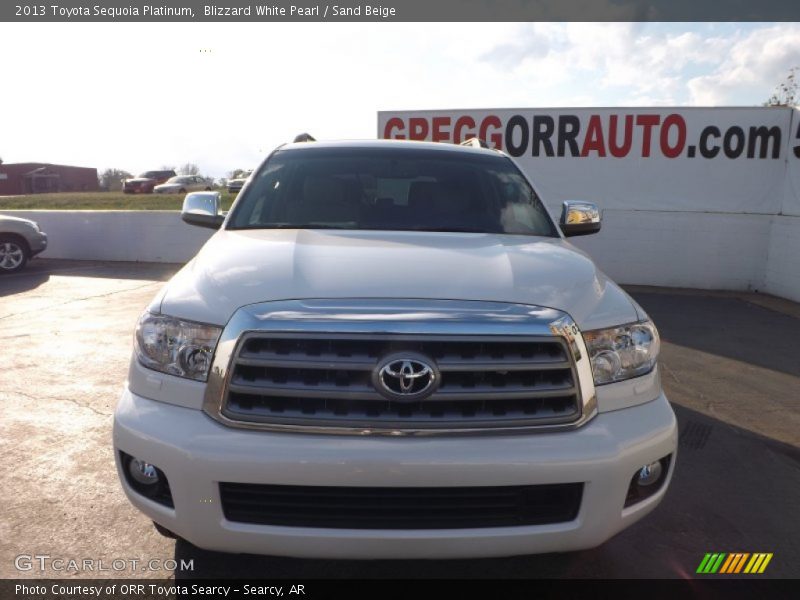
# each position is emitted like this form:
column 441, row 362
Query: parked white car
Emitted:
column 20, row 240
column 182, row 184
column 390, row 350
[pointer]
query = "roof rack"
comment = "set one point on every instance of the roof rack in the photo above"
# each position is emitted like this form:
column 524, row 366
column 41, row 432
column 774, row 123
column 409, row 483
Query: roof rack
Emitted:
column 304, row 137
column 475, row 143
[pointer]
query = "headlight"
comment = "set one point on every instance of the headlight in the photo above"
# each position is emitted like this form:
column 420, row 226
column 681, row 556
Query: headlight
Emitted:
column 622, row 352
column 174, row 346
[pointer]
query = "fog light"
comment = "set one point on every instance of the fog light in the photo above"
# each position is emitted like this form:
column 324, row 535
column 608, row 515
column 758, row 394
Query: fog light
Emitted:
column 649, row 474
column 647, row 480
column 143, row 472
column 146, row 479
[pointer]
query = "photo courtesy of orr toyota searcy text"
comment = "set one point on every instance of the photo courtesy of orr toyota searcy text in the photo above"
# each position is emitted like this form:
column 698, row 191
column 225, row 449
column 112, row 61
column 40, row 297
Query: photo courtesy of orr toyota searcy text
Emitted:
column 667, row 158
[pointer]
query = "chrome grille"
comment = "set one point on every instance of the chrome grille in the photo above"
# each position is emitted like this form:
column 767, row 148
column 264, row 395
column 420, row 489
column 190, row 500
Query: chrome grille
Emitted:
column 322, row 379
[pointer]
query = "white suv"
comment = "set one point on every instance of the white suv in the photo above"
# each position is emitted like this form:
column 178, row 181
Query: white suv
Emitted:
column 389, row 350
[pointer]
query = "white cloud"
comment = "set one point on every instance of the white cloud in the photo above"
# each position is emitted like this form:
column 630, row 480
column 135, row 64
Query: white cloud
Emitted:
column 137, row 96
column 753, row 65
column 630, row 62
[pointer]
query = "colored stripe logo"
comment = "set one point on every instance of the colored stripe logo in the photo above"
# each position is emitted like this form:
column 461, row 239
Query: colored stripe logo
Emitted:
column 734, row 563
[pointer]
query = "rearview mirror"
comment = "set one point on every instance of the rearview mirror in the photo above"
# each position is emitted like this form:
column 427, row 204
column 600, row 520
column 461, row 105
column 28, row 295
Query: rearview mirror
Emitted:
column 202, row 209
column 579, row 218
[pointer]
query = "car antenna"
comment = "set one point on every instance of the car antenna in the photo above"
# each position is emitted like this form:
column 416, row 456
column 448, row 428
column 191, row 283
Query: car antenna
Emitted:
column 304, row 137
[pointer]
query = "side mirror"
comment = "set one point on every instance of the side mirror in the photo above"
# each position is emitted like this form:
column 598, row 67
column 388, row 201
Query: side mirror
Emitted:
column 579, row 218
column 202, row 209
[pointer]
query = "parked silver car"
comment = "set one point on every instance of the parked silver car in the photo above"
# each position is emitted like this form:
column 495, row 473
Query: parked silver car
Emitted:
column 182, row 184
column 235, row 185
column 20, row 240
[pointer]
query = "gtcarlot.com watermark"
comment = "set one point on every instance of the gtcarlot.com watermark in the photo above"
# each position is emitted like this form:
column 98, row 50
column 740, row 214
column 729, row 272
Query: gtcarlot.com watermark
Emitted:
column 45, row 563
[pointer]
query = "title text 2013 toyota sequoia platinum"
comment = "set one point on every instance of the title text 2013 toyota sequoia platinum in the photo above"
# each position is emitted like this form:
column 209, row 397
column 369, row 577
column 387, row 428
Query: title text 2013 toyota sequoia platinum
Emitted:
column 389, row 350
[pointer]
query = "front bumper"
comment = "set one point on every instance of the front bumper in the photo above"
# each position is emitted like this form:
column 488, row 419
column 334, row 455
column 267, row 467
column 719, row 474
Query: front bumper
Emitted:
column 196, row 453
column 37, row 243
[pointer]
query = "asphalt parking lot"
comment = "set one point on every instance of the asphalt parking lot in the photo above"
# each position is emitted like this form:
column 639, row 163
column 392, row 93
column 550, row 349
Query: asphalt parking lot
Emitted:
column 730, row 366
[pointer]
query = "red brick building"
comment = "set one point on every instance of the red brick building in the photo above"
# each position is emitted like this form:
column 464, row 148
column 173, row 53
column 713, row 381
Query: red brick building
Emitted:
column 40, row 178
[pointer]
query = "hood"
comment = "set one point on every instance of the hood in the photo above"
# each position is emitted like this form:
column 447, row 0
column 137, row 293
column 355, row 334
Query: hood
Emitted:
column 11, row 221
column 242, row 267
column 6, row 218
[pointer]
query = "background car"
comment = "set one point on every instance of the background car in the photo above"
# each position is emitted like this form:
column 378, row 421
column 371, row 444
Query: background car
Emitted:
column 20, row 240
column 144, row 183
column 235, row 185
column 182, row 184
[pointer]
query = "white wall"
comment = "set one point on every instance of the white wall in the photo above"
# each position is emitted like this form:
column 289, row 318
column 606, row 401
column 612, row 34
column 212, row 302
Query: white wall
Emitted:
column 783, row 261
column 682, row 249
column 145, row 236
column 696, row 250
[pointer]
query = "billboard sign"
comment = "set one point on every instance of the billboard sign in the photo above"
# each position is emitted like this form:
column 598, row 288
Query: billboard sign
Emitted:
column 730, row 160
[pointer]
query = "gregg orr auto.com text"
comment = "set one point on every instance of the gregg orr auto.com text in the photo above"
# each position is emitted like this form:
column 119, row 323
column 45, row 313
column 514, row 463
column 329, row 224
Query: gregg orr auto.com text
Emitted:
column 616, row 135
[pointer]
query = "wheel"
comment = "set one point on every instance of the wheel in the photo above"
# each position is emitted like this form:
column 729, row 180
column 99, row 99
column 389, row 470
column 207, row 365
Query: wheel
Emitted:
column 182, row 191
column 13, row 254
column 208, row 189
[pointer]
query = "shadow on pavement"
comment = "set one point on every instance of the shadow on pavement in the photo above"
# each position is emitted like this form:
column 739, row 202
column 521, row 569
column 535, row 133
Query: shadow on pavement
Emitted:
column 22, row 281
column 733, row 491
column 727, row 327
column 41, row 267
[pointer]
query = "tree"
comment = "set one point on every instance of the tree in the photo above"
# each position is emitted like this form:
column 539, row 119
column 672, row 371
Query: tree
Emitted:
column 1, row 160
column 189, row 169
column 237, row 173
column 111, row 179
column 786, row 93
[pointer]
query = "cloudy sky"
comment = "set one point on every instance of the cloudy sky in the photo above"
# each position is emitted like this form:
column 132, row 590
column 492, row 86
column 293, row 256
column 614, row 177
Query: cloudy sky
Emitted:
column 137, row 96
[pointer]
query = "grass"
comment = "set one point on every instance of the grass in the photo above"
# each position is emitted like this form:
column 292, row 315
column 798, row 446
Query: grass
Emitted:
column 100, row 201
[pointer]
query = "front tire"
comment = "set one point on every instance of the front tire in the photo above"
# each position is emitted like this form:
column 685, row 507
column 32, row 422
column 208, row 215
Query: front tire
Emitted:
column 14, row 254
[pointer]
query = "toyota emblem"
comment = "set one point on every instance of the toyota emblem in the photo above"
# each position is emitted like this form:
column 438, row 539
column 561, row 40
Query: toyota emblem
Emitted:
column 406, row 377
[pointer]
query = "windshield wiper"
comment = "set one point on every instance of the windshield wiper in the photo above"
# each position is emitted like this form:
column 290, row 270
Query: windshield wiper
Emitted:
column 450, row 229
column 354, row 227
column 295, row 226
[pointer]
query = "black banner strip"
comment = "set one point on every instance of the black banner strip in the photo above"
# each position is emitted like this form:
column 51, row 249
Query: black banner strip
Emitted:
column 708, row 588
column 404, row 11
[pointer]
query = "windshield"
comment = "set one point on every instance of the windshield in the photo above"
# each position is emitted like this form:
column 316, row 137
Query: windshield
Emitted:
column 391, row 189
